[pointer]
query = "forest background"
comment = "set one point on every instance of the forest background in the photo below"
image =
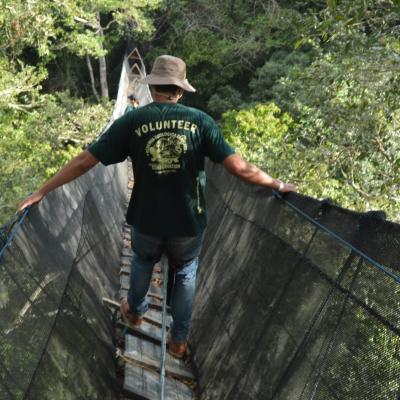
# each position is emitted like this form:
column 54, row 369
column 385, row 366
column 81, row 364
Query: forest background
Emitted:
column 308, row 90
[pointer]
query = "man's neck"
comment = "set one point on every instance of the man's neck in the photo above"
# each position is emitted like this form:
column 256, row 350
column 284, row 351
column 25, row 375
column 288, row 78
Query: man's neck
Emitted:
column 164, row 98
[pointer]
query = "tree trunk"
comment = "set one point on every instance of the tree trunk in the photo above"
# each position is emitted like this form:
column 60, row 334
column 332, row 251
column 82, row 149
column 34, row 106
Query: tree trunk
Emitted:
column 89, row 65
column 102, row 65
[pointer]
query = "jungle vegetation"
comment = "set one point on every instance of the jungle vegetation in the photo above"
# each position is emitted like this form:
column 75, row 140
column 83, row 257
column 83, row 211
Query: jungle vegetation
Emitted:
column 308, row 90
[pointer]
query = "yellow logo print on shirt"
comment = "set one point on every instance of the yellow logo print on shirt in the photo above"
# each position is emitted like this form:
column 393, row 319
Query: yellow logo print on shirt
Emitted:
column 165, row 150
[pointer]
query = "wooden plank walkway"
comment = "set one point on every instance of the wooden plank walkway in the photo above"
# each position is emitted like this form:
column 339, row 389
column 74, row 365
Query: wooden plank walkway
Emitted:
column 142, row 352
column 145, row 383
column 147, row 353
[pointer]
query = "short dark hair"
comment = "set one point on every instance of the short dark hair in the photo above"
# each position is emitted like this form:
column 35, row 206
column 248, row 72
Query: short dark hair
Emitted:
column 167, row 88
column 132, row 97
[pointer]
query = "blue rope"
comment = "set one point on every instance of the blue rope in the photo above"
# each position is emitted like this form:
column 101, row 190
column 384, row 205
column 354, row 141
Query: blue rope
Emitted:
column 377, row 265
column 164, row 328
column 20, row 217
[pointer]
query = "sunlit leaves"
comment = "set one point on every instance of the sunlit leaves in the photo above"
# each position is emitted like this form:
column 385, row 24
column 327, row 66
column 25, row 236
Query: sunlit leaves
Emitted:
column 35, row 144
column 258, row 133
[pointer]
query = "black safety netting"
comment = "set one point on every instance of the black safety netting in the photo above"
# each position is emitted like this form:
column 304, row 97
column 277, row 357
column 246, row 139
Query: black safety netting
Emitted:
column 56, row 337
column 284, row 310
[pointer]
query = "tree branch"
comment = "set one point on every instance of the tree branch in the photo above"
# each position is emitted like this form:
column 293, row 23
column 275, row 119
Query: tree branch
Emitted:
column 89, row 65
column 87, row 23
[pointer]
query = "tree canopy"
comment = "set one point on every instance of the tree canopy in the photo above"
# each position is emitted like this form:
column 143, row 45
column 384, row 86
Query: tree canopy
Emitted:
column 52, row 103
column 331, row 67
column 324, row 71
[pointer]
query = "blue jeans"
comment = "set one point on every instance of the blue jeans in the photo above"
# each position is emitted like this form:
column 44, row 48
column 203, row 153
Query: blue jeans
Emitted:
column 183, row 255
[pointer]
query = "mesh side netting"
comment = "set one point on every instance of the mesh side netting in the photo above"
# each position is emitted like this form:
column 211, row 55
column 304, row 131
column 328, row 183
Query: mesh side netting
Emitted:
column 56, row 338
column 285, row 311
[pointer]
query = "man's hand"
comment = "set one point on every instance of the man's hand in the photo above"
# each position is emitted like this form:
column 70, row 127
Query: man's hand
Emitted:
column 288, row 187
column 30, row 200
column 75, row 168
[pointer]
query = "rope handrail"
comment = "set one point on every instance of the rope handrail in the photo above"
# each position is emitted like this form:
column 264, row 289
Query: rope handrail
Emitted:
column 13, row 226
column 164, row 328
column 360, row 253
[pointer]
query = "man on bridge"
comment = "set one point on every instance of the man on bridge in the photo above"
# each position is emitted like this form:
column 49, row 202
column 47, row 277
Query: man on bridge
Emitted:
column 168, row 143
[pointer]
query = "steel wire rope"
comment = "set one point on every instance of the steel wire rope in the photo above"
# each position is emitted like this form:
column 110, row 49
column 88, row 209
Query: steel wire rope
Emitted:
column 360, row 253
column 326, row 277
column 164, row 328
column 16, row 223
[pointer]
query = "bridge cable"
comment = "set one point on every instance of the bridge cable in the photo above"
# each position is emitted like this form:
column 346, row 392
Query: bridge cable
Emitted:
column 164, row 327
column 12, row 229
column 360, row 253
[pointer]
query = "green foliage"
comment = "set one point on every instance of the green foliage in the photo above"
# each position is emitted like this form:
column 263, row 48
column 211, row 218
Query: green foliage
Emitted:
column 82, row 20
column 258, row 133
column 225, row 98
column 39, row 132
column 332, row 66
column 346, row 108
column 19, row 85
column 265, row 84
column 34, row 145
column 223, row 43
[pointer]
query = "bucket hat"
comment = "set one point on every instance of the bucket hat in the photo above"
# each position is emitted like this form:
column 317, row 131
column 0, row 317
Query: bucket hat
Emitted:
column 168, row 70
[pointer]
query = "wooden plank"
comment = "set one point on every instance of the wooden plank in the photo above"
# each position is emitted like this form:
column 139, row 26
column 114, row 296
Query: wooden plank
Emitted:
column 124, row 281
column 149, row 354
column 155, row 291
column 154, row 316
column 126, row 260
column 153, row 303
column 111, row 303
column 156, row 304
column 126, row 252
column 155, row 295
column 153, row 311
column 145, row 383
column 146, row 330
column 125, row 270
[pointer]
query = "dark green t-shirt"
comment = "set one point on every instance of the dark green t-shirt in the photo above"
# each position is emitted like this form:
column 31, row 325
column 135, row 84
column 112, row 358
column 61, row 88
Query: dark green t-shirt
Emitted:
column 167, row 144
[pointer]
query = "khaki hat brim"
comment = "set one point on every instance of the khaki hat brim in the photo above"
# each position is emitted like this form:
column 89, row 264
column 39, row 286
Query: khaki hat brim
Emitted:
column 153, row 79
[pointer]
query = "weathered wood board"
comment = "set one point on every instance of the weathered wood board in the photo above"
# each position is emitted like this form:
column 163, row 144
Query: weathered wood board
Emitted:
column 148, row 353
column 145, row 383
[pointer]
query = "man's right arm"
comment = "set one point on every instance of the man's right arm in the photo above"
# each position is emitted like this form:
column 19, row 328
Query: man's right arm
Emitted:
column 110, row 148
column 252, row 174
column 75, row 168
